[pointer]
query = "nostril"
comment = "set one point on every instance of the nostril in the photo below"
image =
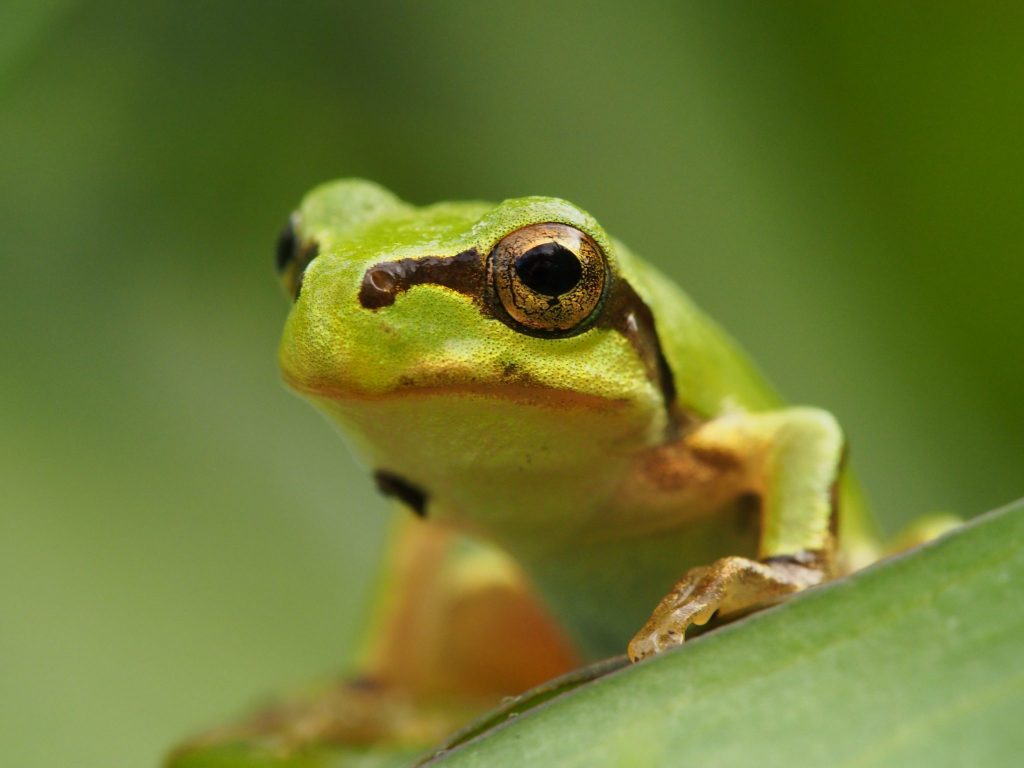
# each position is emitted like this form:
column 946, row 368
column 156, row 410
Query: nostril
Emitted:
column 382, row 283
column 382, row 280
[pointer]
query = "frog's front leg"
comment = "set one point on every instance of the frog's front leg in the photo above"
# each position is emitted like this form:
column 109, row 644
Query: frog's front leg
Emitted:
column 791, row 460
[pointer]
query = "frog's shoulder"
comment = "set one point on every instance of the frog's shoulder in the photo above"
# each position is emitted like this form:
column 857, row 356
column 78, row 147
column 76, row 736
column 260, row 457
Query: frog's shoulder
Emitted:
column 711, row 371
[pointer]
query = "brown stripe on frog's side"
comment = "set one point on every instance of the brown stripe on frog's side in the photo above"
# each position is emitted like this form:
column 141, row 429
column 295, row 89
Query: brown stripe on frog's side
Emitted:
column 625, row 312
column 464, row 272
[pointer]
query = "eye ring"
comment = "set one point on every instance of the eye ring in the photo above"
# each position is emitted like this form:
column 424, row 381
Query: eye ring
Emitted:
column 548, row 278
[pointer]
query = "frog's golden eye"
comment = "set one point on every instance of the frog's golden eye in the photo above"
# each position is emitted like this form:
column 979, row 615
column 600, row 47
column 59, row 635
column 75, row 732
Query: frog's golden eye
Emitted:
column 549, row 278
column 292, row 257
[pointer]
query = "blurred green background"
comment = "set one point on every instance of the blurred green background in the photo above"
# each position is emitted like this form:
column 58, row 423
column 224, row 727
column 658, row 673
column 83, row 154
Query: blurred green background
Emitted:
column 840, row 185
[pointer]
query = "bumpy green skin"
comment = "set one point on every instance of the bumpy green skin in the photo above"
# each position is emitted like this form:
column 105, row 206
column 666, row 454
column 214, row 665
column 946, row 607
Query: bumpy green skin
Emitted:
column 535, row 462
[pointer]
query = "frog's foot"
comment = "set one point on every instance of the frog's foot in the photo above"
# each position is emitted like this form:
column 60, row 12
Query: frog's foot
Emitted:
column 923, row 530
column 358, row 713
column 729, row 585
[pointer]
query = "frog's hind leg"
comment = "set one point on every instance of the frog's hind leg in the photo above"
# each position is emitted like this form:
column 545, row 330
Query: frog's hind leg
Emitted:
column 455, row 617
column 923, row 530
column 455, row 628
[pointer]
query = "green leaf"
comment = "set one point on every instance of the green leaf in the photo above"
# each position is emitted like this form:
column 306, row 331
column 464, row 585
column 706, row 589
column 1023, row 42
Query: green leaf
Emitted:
column 255, row 755
column 917, row 661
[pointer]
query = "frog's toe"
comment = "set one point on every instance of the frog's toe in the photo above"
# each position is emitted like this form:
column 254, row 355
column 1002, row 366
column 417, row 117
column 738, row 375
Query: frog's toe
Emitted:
column 694, row 600
column 667, row 631
column 647, row 644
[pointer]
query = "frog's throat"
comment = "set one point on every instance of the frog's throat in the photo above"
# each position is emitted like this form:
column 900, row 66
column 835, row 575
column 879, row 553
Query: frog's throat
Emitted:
column 623, row 310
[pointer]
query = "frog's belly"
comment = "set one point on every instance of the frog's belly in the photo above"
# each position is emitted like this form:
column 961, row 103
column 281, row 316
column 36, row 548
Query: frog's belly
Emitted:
column 603, row 589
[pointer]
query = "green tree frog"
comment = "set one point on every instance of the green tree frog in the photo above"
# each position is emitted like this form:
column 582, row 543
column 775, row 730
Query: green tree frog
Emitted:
column 588, row 463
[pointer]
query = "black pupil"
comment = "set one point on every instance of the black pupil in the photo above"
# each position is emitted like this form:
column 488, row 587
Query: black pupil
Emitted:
column 549, row 269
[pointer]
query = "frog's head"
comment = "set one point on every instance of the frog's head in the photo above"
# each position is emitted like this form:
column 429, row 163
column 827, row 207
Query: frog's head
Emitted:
column 390, row 299
column 521, row 307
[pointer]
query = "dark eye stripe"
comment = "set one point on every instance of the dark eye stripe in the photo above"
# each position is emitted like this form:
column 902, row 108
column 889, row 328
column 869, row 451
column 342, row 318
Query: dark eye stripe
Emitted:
column 463, row 272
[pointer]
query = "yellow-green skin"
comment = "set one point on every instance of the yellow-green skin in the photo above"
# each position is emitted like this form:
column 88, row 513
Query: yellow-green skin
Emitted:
column 530, row 443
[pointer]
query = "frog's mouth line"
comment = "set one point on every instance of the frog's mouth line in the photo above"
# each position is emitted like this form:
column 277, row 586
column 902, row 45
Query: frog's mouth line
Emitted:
column 516, row 392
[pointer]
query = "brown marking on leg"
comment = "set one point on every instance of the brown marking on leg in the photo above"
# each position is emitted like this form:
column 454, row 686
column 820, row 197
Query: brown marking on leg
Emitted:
column 678, row 465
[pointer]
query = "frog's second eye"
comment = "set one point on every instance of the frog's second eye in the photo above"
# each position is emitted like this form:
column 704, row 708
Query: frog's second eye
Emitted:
column 292, row 257
column 287, row 245
column 549, row 278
